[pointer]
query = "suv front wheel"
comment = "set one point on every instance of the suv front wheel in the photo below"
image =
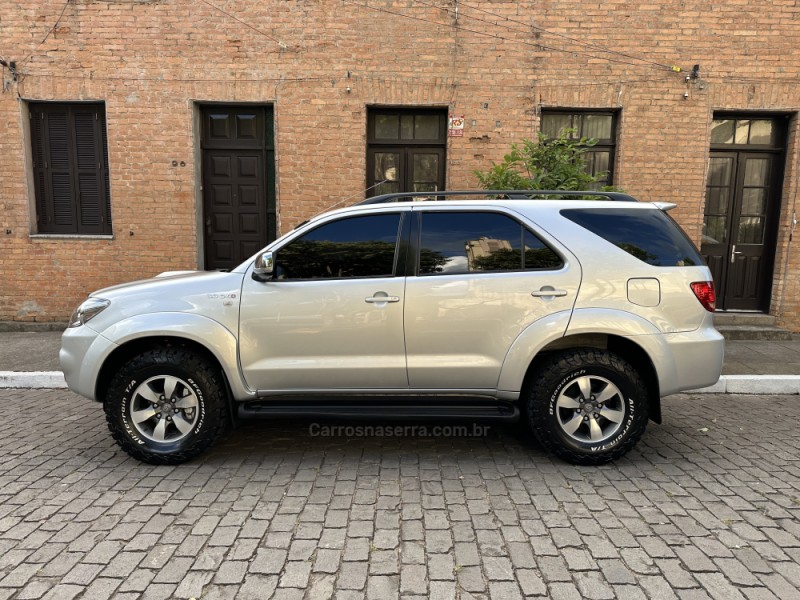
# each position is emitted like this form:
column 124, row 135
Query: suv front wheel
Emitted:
column 587, row 406
column 166, row 405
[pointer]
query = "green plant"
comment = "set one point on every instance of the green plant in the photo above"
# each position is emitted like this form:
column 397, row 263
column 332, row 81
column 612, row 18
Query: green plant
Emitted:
column 542, row 164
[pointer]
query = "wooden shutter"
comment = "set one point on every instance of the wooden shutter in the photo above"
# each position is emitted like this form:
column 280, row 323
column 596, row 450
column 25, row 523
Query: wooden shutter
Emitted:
column 71, row 168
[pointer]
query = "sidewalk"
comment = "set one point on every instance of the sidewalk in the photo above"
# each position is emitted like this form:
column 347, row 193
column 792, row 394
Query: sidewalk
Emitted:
column 30, row 359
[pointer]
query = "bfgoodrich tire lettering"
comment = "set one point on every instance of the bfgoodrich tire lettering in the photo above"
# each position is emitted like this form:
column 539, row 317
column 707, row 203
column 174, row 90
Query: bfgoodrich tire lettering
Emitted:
column 166, row 406
column 587, row 406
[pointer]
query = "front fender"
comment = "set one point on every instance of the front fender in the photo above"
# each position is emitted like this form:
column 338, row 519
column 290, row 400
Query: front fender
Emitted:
column 210, row 334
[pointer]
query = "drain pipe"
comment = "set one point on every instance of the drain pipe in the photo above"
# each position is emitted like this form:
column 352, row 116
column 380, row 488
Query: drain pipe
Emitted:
column 788, row 250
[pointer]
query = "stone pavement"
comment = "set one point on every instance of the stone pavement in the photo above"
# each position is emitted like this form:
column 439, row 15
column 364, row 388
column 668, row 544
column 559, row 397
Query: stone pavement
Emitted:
column 706, row 506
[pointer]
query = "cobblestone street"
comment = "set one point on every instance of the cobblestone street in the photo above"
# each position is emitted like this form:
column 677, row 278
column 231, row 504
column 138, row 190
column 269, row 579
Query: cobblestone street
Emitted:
column 707, row 506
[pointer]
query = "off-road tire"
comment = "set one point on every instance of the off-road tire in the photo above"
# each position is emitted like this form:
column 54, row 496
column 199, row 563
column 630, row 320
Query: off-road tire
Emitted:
column 556, row 382
column 198, row 378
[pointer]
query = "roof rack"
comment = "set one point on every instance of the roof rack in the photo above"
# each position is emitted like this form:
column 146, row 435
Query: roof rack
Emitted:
column 509, row 194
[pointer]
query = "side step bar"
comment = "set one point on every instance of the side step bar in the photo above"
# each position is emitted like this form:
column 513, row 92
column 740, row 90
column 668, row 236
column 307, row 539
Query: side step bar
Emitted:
column 382, row 408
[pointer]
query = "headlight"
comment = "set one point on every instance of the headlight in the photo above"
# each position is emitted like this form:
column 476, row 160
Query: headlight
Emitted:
column 87, row 310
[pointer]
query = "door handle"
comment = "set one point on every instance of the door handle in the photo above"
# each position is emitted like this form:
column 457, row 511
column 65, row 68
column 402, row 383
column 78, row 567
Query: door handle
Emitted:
column 548, row 292
column 733, row 253
column 378, row 299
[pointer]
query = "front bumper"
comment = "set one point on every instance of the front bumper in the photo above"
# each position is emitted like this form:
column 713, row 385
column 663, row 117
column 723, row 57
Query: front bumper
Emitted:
column 82, row 354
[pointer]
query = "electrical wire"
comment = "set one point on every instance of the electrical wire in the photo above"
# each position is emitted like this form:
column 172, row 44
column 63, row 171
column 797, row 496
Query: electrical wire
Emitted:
column 47, row 35
column 564, row 36
column 490, row 35
column 395, row 76
column 245, row 23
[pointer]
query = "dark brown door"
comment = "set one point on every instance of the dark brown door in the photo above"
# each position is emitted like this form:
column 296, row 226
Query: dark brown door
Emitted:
column 406, row 150
column 740, row 221
column 238, row 183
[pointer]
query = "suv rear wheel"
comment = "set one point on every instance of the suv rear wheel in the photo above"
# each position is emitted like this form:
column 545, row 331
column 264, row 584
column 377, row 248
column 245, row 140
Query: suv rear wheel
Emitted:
column 587, row 406
column 166, row 406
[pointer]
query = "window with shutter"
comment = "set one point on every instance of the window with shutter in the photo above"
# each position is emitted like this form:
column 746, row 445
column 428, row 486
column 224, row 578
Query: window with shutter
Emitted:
column 70, row 162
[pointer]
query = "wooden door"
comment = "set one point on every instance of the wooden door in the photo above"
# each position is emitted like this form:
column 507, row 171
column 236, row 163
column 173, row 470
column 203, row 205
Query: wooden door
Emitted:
column 239, row 216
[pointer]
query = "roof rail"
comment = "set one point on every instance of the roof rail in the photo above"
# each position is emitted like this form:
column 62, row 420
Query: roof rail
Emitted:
column 509, row 194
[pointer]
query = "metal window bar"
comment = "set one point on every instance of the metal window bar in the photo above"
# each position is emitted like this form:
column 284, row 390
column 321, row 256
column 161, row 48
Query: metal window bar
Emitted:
column 509, row 194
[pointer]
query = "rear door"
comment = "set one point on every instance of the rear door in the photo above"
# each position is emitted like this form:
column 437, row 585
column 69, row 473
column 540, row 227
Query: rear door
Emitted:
column 480, row 279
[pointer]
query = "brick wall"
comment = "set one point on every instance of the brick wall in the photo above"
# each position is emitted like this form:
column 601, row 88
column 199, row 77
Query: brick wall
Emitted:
column 152, row 61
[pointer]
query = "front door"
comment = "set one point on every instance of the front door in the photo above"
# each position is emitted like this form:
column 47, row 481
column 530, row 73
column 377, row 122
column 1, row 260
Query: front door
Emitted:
column 741, row 213
column 332, row 317
column 238, row 183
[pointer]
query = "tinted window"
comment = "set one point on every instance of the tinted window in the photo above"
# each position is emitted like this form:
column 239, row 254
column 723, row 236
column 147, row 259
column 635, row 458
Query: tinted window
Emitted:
column 649, row 235
column 453, row 242
column 353, row 247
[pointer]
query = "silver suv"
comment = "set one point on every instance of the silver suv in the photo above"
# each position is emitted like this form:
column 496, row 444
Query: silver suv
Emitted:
column 574, row 311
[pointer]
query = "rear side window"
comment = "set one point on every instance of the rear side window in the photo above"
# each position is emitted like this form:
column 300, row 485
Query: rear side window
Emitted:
column 649, row 235
column 479, row 242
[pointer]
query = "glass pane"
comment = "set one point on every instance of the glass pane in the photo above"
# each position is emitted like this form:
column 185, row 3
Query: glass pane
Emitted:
column 425, row 187
column 761, row 132
column 717, row 201
column 469, row 242
column 426, row 127
column 756, row 171
column 649, row 235
column 538, row 255
column 753, row 201
column 597, row 161
column 387, row 166
column 722, row 131
column 751, row 230
column 386, row 127
column 714, row 230
column 387, row 187
column 554, row 124
column 426, row 168
column 351, row 247
column 742, row 131
column 597, row 127
column 719, row 171
column 407, row 127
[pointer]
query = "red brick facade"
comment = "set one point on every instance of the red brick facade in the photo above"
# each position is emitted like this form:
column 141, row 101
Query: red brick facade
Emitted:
column 321, row 64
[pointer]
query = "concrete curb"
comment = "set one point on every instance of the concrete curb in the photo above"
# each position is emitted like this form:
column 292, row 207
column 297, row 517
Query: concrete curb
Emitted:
column 753, row 384
column 32, row 379
column 727, row 384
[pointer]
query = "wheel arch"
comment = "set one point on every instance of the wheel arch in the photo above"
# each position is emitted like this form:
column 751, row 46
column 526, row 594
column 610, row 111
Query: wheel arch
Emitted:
column 204, row 336
column 623, row 347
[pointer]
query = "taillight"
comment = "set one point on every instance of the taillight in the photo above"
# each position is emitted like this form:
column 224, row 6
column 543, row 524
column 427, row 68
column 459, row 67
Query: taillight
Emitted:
column 704, row 290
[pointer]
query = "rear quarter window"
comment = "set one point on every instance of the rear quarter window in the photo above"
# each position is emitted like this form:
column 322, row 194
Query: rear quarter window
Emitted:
column 649, row 235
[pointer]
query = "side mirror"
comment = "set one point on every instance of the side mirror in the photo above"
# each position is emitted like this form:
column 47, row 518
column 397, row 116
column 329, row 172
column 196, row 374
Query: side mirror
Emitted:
column 264, row 266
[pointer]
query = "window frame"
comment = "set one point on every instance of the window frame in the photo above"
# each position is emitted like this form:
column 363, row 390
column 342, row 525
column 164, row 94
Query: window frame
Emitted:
column 414, row 254
column 406, row 148
column 609, row 144
column 39, row 114
column 399, row 249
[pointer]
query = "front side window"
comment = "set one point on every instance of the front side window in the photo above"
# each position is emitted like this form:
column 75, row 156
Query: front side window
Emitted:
column 474, row 242
column 347, row 248
column 70, row 163
column 597, row 125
